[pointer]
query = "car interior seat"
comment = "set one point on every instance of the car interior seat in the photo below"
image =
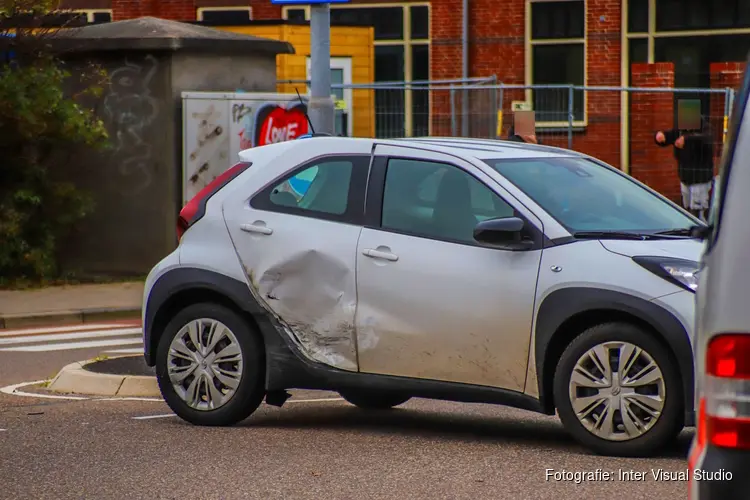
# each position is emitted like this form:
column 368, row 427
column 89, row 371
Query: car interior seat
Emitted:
column 453, row 217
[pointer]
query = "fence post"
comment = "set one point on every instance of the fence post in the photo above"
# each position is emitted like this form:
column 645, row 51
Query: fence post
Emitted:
column 464, row 111
column 453, row 111
column 570, row 117
column 499, row 107
column 493, row 112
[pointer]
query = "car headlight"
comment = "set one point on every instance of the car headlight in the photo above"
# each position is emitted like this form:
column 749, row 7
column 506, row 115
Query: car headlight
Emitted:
column 681, row 272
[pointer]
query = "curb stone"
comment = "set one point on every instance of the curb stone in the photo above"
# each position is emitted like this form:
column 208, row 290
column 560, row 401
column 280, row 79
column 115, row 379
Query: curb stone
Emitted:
column 83, row 316
column 75, row 379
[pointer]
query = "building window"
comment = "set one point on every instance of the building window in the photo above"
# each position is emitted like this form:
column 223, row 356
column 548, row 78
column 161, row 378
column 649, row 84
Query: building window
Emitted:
column 296, row 15
column 688, row 15
column 558, row 57
column 557, row 20
column 638, row 16
column 420, row 22
column 402, row 53
column 388, row 22
column 226, row 16
column 93, row 16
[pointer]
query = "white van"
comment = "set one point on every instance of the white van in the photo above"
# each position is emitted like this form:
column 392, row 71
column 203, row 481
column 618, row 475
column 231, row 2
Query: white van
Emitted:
column 720, row 456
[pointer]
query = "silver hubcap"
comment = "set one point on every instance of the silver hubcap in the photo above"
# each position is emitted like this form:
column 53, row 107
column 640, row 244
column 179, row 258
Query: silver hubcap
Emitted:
column 205, row 364
column 617, row 391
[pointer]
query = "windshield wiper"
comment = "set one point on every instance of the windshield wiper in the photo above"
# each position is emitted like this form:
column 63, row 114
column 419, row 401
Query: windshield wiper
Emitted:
column 683, row 231
column 613, row 235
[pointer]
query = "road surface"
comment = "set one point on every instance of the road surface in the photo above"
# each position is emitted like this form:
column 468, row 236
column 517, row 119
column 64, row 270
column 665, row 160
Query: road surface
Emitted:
column 316, row 446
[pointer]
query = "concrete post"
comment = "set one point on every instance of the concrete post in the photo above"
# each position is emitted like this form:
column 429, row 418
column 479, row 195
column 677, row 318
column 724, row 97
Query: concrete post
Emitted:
column 321, row 109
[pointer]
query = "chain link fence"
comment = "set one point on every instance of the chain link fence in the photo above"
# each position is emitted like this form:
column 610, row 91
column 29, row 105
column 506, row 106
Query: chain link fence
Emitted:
column 614, row 124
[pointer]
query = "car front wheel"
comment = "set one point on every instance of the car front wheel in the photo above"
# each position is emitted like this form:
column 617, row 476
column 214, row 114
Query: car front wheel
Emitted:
column 618, row 391
column 210, row 366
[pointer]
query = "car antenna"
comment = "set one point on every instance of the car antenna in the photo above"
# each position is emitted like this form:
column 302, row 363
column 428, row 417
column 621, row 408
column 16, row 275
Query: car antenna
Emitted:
column 312, row 129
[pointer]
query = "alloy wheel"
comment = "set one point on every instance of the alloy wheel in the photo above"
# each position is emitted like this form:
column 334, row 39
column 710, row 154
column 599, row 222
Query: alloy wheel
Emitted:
column 205, row 364
column 617, row 391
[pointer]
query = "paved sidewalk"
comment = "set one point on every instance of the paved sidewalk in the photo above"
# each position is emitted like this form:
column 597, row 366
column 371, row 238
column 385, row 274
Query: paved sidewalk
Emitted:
column 70, row 304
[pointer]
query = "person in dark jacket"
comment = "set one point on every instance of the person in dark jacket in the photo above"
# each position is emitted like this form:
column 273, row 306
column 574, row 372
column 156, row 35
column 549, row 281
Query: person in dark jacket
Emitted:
column 512, row 136
column 693, row 150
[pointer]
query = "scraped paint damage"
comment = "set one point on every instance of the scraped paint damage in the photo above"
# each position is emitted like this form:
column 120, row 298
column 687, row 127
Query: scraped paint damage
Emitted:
column 313, row 295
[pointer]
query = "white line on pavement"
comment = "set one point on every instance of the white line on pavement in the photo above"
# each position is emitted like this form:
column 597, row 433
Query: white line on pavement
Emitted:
column 313, row 400
column 13, row 390
column 72, row 345
column 69, row 336
column 59, row 329
column 147, row 417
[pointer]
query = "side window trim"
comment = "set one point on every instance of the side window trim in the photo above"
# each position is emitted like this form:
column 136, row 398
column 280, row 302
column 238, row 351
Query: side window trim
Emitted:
column 354, row 213
column 376, row 190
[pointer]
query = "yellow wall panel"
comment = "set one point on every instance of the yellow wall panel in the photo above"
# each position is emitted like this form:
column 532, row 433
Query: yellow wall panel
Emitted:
column 354, row 42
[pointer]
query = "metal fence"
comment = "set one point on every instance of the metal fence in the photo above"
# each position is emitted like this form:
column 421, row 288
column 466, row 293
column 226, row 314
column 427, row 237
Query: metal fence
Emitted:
column 614, row 124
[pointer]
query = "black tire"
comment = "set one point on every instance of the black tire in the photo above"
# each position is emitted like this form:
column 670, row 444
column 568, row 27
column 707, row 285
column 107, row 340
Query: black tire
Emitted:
column 669, row 423
column 251, row 389
column 369, row 400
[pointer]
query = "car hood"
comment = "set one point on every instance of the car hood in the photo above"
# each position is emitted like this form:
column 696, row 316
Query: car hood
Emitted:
column 688, row 249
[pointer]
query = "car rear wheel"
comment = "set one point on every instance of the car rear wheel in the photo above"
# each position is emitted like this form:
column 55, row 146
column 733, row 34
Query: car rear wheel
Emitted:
column 618, row 391
column 210, row 366
column 368, row 400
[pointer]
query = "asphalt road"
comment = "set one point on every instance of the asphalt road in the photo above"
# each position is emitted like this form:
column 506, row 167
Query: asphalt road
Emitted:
column 94, row 449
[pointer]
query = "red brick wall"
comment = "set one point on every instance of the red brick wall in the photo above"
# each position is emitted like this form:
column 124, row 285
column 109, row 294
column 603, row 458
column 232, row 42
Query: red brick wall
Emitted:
column 723, row 75
column 183, row 10
column 178, row 10
column 264, row 9
column 650, row 112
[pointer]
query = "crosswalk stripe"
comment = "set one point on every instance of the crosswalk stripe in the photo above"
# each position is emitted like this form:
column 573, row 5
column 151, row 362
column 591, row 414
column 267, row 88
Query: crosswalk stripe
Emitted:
column 72, row 345
column 70, row 336
column 60, row 329
column 137, row 350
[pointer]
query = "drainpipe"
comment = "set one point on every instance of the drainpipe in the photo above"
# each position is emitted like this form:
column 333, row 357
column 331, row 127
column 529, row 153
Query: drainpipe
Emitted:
column 465, row 68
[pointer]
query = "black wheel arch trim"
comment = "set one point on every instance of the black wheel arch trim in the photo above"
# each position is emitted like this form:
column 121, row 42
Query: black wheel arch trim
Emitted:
column 567, row 303
column 286, row 366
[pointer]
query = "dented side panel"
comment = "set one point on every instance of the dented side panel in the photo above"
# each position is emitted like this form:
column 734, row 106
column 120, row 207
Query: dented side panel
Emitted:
column 303, row 272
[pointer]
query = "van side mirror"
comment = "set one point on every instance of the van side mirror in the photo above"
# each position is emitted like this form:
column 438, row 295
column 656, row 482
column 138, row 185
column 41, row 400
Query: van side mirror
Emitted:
column 505, row 233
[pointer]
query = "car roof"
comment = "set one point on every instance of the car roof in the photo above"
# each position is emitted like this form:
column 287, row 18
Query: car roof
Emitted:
column 481, row 149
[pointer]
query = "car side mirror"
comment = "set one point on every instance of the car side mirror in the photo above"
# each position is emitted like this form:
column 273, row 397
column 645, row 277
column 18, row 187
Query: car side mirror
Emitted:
column 505, row 233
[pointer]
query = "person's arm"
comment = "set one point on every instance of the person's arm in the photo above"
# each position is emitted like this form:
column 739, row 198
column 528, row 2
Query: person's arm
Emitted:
column 669, row 137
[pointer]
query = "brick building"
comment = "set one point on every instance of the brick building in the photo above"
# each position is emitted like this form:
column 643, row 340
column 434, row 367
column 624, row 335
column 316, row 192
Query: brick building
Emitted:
column 615, row 43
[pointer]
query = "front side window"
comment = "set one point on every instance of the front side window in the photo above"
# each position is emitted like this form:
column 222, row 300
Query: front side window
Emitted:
column 585, row 196
column 437, row 200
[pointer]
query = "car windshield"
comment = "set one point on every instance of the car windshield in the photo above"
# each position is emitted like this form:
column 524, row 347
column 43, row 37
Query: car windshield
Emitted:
column 585, row 196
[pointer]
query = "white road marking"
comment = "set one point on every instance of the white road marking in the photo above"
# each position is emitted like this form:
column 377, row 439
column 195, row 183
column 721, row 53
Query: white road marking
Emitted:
column 137, row 350
column 148, row 417
column 70, row 336
column 314, row 400
column 13, row 390
column 72, row 345
column 59, row 329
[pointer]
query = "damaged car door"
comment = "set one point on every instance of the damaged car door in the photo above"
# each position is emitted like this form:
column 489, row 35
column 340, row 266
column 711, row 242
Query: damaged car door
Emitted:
column 433, row 303
column 297, row 240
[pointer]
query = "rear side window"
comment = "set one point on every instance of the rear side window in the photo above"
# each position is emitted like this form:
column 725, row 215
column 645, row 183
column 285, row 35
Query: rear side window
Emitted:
column 331, row 188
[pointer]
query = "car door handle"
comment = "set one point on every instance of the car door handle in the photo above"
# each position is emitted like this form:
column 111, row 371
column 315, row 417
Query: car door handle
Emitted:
column 377, row 254
column 256, row 228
